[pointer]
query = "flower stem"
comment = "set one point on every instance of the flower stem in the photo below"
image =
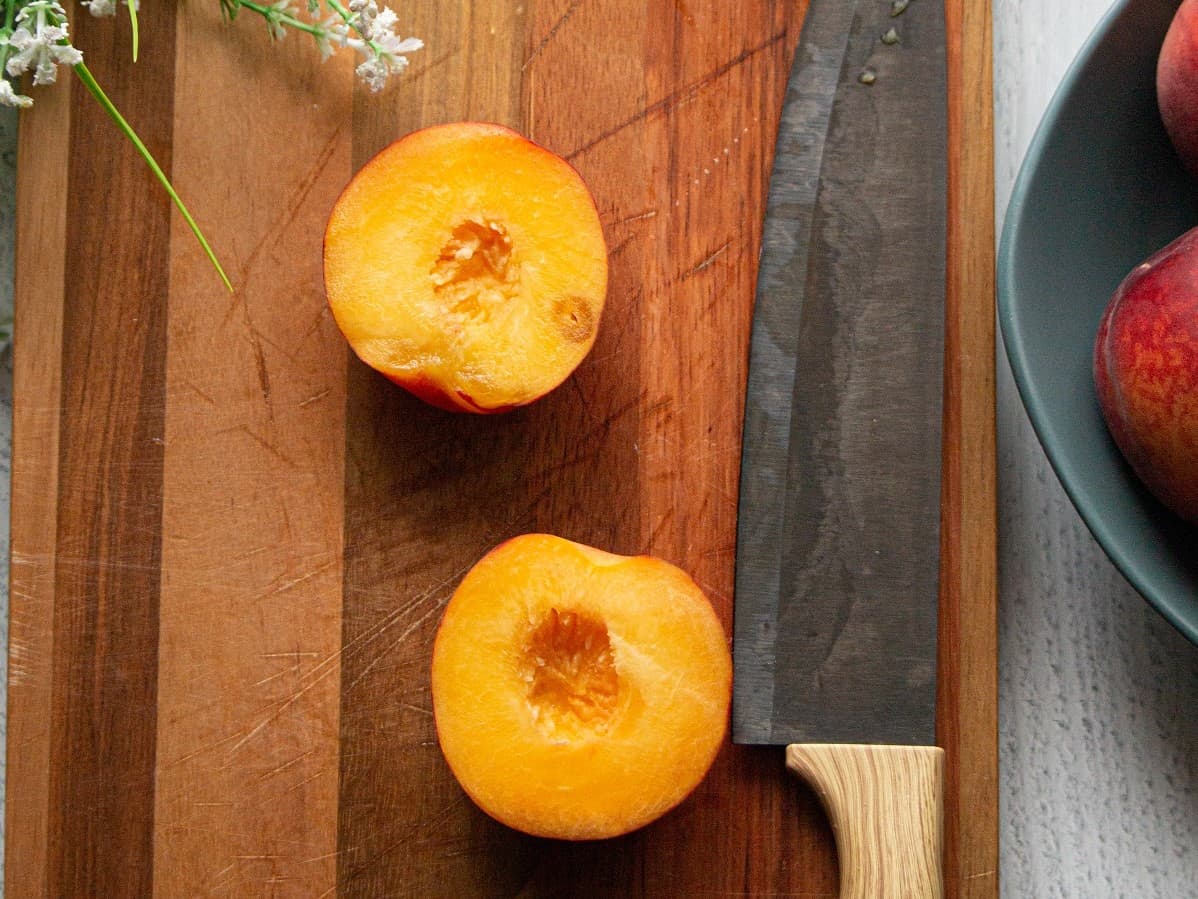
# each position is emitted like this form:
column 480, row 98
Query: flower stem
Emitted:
column 10, row 11
column 93, row 87
column 352, row 21
column 286, row 18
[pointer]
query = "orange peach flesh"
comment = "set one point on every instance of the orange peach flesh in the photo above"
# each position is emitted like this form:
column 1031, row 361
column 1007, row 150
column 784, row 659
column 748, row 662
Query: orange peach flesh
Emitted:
column 468, row 264
column 579, row 694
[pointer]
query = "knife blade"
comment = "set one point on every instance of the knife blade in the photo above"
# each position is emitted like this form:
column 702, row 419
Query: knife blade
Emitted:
column 834, row 640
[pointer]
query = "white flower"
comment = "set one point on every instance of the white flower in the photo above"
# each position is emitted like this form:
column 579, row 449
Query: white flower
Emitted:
column 374, row 72
column 9, row 97
column 45, row 47
column 40, row 50
column 384, row 21
column 45, row 73
column 382, row 48
column 43, row 9
column 364, row 12
column 274, row 18
column 324, row 45
column 393, row 46
column 333, row 33
column 101, row 8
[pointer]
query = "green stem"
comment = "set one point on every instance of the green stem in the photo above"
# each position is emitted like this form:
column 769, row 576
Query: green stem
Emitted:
column 90, row 83
column 349, row 17
column 286, row 18
column 343, row 12
column 132, row 6
column 10, row 11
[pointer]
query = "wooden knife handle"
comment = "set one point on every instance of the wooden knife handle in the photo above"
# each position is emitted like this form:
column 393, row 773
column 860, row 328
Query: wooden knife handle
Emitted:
column 886, row 805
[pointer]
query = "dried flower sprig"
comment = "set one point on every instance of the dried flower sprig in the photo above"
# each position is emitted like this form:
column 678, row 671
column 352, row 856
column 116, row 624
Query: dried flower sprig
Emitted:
column 34, row 38
column 361, row 26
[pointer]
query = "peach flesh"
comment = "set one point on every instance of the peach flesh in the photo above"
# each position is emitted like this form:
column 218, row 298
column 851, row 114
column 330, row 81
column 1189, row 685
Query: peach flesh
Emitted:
column 578, row 694
column 468, row 265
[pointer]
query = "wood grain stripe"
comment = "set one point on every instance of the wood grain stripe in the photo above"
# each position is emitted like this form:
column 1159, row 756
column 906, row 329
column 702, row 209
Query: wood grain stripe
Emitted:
column 250, row 616
column 110, row 458
column 426, row 494
column 43, row 152
column 967, row 705
column 725, row 66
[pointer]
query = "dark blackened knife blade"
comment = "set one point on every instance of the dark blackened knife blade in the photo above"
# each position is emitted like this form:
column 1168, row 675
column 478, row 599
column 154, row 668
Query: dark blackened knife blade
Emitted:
column 834, row 646
column 838, row 529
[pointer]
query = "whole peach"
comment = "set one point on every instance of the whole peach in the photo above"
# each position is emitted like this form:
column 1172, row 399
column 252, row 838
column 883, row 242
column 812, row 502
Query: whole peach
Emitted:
column 1177, row 83
column 1146, row 373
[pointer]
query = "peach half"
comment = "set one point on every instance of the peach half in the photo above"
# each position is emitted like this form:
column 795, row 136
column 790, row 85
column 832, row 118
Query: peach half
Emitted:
column 467, row 264
column 579, row 694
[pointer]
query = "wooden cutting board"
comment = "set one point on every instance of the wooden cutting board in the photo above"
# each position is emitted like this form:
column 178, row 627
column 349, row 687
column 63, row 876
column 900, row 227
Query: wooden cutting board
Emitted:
column 232, row 542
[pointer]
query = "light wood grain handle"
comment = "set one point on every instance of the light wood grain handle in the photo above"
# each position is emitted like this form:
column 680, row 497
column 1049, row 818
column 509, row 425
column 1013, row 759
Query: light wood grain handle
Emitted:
column 886, row 805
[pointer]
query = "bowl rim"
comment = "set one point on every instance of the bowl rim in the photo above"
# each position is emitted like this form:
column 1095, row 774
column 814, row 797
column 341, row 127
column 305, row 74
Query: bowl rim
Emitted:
column 1016, row 351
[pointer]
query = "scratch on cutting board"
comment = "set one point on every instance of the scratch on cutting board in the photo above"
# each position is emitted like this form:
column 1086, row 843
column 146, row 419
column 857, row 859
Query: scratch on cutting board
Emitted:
column 717, row 552
column 683, row 95
column 304, row 783
column 619, row 248
column 286, row 521
column 201, row 394
column 276, row 675
column 407, row 632
column 324, row 668
column 272, row 233
column 706, row 262
column 659, row 527
column 315, row 397
column 416, row 72
column 294, row 582
column 214, row 879
column 250, row 553
column 327, row 855
column 551, row 34
column 318, row 319
column 21, row 661
column 636, row 217
column 274, row 451
column 172, row 826
column 283, row 767
column 195, row 752
column 429, row 824
column 294, row 203
column 259, row 356
column 711, row 590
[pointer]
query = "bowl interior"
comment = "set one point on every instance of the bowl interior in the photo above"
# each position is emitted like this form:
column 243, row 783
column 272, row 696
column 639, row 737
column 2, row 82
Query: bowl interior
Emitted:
column 1099, row 191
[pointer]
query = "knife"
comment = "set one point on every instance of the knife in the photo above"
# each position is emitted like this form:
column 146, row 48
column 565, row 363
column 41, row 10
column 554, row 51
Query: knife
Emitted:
column 834, row 639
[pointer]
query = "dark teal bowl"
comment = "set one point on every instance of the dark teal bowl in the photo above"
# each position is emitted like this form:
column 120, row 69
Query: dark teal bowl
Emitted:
column 1099, row 191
